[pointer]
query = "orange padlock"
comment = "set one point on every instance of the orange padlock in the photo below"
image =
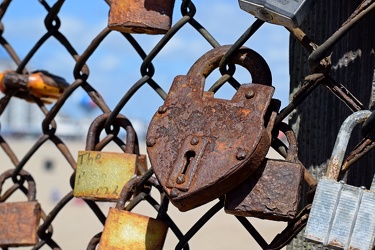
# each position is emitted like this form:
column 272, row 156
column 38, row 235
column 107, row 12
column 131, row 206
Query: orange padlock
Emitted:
column 41, row 84
column 141, row 16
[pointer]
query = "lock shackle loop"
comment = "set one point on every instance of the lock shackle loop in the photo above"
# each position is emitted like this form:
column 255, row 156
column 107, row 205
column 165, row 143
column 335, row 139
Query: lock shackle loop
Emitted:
column 127, row 192
column 31, row 185
column 247, row 58
column 338, row 153
column 292, row 153
column 93, row 135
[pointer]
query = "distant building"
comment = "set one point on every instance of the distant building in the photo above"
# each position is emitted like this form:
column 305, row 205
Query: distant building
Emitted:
column 21, row 119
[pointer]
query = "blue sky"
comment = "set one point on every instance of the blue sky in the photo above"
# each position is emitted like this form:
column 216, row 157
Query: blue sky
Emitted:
column 114, row 67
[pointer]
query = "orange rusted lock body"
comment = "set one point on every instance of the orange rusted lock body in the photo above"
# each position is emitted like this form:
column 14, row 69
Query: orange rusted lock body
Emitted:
column 19, row 221
column 100, row 176
column 201, row 147
column 127, row 230
column 141, row 16
column 273, row 192
column 41, row 84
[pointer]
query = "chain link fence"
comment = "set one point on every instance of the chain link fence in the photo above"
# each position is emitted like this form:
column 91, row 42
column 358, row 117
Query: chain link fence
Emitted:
column 131, row 89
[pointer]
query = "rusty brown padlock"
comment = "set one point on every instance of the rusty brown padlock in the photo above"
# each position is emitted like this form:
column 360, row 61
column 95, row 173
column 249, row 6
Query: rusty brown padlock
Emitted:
column 19, row 221
column 100, row 176
column 131, row 231
column 141, row 16
column 198, row 145
column 273, row 192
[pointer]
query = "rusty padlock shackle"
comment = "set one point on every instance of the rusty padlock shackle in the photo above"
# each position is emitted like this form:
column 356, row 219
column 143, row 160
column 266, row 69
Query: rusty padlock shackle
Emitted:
column 342, row 140
column 127, row 192
column 93, row 134
column 248, row 58
column 128, row 189
column 292, row 152
column 31, row 188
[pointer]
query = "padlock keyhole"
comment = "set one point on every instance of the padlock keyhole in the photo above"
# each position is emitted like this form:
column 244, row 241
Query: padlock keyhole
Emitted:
column 188, row 158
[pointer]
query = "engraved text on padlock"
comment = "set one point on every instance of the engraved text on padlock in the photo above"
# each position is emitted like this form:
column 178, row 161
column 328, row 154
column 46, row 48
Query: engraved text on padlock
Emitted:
column 100, row 176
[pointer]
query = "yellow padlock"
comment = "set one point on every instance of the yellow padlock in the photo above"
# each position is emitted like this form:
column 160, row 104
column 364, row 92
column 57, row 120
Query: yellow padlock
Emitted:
column 100, row 176
column 131, row 231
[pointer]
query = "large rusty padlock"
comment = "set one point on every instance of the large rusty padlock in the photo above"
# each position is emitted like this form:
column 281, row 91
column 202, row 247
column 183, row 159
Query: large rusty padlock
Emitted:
column 19, row 221
column 100, row 176
column 198, row 145
column 131, row 231
column 141, row 16
column 342, row 216
column 273, row 192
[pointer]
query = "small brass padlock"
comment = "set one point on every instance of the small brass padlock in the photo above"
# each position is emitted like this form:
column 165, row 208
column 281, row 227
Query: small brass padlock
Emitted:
column 198, row 145
column 273, row 192
column 141, row 16
column 100, row 176
column 342, row 216
column 19, row 221
column 131, row 231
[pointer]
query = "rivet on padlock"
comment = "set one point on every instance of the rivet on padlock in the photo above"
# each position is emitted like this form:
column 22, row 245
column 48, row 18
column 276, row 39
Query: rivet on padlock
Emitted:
column 141, row 16
column 131, row 231
column 341, row 215
column 199, row 145
column 273, row 192
column 19, row 221
column 100, row 175
column 289, row 13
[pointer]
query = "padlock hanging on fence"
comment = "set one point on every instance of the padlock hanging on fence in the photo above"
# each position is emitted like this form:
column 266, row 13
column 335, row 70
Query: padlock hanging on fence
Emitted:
column 128, row 230
column 19, row 221
column 100, row 176
column 273, row 192
column 41, row 84
column 341, row 215
column 283, row 12
column 141, row 16
column 201, row 147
